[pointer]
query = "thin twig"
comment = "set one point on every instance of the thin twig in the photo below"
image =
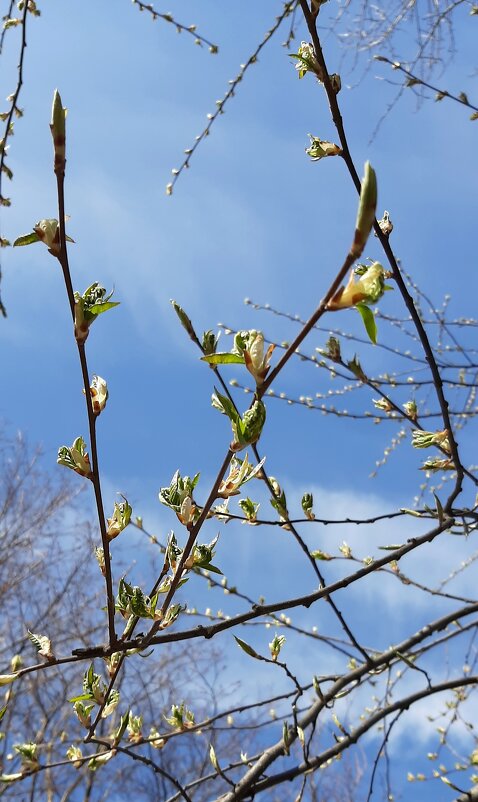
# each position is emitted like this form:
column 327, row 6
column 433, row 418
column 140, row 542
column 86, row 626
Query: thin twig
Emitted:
column 189, row 29
column 233, row 84
column 9, row 120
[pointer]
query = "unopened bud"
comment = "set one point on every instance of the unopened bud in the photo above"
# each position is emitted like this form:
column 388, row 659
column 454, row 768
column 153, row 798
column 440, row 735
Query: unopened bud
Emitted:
column 58, row 132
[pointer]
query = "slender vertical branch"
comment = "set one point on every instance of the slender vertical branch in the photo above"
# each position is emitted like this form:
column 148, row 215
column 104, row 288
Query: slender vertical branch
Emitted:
column 408, row 300
column 60, row 163
column 12, row 111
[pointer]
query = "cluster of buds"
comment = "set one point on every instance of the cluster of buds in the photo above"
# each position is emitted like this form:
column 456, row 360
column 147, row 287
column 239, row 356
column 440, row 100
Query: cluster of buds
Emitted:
column 247, row 429
column 240, row 472
column 367, row 290
column 75, row 755
column 220, row 511
column 276, row 645
column 99, row 394
column 386, row 225
column 383, row 404
column 307, row 62
column 249, row 508
column 75, row 457
column 112, row 662
column 434, row 464
column 278, row 500
column 248, row 350
column 421, row 439
column 43, row 645
column 201, row 557
column 332, row 349
column 119, row 520
column 411, row 410
column 100, row 558
column 134, row 727
column 171, row 615
column 250, row 346
column 209, row 342
column 95, row 691
column 28, row 756
column 131, row 600
column 94, row 301
column 307, row 504
column 179, row 497
column 83, row 713
column 320, row 149
column 155, row 740
column 181, row 718
column 46, row 231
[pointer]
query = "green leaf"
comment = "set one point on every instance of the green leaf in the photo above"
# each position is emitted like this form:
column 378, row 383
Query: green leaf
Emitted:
column 212, row 568
column 223, row 359
column 3, row 711
column 82, row 697
column 227, row 406
column 245, row 647
column 27, row 239
column 98, row 309
column 368, row 318
column 392, row 547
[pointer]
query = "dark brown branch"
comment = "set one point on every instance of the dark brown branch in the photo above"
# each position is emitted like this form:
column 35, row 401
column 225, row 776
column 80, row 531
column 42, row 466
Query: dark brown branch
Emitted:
column 346, row 155
column 414, row 80
column 289, row 5
column 13, row 109
column 251, row 784
column 95, row 474
column 189, row 29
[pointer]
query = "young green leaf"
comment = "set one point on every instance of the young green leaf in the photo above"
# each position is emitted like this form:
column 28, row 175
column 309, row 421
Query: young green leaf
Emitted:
column 368, row 318
column 184, row 320
column 223, row 359
column 245, row 647
column 27, row 239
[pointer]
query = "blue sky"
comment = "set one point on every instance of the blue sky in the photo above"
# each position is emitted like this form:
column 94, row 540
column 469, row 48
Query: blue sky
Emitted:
column 253, row 217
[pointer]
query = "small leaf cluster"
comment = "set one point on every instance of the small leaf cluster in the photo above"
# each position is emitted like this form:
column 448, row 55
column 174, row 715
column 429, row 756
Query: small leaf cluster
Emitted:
column 94, row 302
column 119, row 520
column 181, row 718
column 247, row 428
column 96, row 692
column 248, row 350
column 179, row 497
column 75, row 457
column 131, row 600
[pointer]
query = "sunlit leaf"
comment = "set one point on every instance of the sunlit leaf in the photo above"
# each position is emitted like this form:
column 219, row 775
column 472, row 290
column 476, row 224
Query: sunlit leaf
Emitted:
column 368, row 318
